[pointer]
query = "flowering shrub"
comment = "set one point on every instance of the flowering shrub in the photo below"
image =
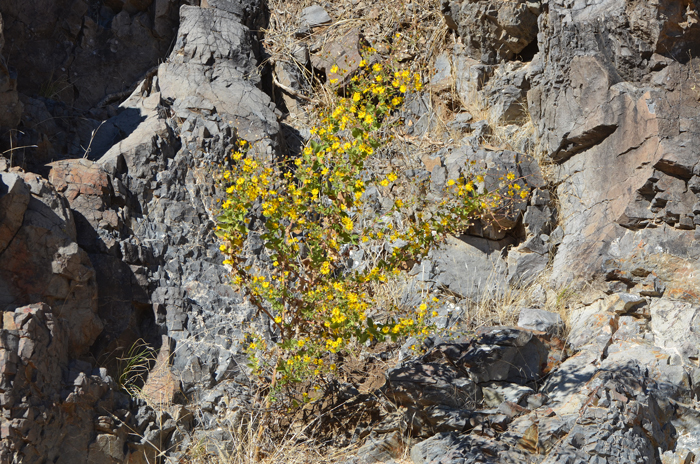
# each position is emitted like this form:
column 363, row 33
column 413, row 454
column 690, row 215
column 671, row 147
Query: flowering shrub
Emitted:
column 313, row 214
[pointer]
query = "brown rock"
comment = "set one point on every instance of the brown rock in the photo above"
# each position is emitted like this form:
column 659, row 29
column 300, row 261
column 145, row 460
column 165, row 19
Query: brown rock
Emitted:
column 343, row 52
column 14, row 198
column 43, row 263
column 162, row 386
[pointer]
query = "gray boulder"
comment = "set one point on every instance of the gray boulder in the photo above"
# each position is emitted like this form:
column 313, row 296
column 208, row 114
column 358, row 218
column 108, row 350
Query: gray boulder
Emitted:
column 541, row 320
column 314, row 16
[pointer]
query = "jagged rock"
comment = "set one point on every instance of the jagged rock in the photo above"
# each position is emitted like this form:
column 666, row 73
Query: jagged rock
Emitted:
column 212, row 65
column 493, row 31
column 53, row 408
column 615, row 114
column 675, row 326
column 67, row 51
column 250, row 13
column 166, row 263
column 418, row 115
column 42, row 261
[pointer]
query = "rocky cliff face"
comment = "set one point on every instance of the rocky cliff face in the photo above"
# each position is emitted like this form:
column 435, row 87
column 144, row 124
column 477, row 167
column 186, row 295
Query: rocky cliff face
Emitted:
column 122, row 109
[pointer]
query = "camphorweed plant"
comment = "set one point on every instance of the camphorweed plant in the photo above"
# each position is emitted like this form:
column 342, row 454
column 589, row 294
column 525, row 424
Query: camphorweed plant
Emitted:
column 314, row 215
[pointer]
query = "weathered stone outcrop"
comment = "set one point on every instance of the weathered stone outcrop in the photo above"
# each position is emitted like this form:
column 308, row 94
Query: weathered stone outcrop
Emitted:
column 41, row 260
column 492, row 30
column 615, row 107
column 61, row 410
column 116, row 242
column 79, row 52
column 167, row 247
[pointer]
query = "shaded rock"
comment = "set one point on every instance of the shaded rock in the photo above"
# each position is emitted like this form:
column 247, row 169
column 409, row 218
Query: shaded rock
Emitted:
column 43, row 263
column 14, row 198
column 421, row 384
column 452, row 448
column 493, row 31
column 70, row 52
column 383, row 449
column 10, row 105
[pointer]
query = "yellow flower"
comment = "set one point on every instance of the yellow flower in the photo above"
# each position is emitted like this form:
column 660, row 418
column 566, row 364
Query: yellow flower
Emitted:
column 377, row 67
column 278, row 319
column 356, row 97
column 423, row 307
column 222, row 247
column 363, row 63
column 301, row 343
column 510, row 176
column 253, row 346
column 334, row 69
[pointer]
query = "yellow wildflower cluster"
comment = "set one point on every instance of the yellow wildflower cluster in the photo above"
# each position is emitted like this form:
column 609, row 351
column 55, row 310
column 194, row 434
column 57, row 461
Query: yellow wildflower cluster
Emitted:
column 311, row 207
